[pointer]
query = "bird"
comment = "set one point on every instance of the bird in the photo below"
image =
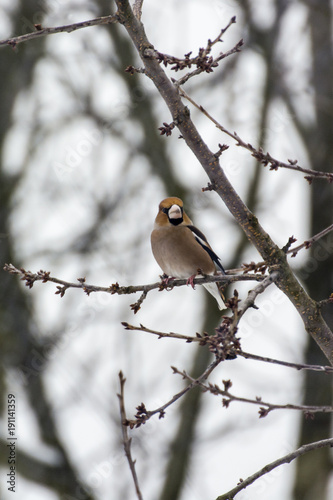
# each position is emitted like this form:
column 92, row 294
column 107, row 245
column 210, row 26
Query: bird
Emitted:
column 181, row 250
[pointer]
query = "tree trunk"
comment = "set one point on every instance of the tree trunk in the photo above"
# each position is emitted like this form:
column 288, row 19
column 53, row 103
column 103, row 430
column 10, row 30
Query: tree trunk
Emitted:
column 313, row 470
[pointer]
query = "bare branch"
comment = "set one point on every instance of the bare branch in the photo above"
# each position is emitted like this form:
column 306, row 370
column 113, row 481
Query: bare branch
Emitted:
column 68, row 28
column 264, row 158
column 126, row 439
column 307, row 244
column 137, row 305
column 325, row 302
column 115, row 288
column 143, row 415
column 203, row 339
column 252, row 295
column 170, row 335
column 269, row 467
column 297, row 366
column 265, row 407
column 213, row 63
column 203, row 61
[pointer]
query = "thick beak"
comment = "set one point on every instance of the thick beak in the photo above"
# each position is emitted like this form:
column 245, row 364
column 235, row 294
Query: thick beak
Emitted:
column 175, row 212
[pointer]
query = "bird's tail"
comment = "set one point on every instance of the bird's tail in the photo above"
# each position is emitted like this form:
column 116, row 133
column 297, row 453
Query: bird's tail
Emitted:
column 214, row 289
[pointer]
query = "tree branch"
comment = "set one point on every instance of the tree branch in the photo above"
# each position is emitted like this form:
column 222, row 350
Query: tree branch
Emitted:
column 202, row 61
column 265, row 407
column 297, row 366
column 250, row 300
column 44, row 276
column 126, row 439
column 230, row 495
column 143, row 415
column 307, row 244
column 264, row 158
column 203, row 339
column 68, row 28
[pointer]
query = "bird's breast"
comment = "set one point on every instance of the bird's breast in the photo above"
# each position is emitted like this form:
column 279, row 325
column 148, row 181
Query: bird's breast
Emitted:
column 178, row 253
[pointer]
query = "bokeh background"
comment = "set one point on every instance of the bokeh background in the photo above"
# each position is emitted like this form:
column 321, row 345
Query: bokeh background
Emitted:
column 83, row 168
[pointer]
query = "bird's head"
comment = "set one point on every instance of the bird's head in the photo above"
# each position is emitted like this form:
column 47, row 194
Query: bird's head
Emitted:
column 171, row 211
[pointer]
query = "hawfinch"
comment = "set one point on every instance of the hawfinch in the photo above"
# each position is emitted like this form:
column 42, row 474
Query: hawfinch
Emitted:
column 180, row 249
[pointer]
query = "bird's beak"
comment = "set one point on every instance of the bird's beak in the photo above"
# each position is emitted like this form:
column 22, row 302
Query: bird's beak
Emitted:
column 175, row 212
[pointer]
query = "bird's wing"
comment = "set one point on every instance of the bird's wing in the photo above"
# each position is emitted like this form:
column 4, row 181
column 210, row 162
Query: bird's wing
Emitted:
column 202, row 240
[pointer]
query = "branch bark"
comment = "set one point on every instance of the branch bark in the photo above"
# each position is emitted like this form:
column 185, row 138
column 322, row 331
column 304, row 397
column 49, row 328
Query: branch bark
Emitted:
column 271, row 253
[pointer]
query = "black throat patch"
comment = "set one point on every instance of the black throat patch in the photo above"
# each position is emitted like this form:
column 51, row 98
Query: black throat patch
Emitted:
column 176, row 222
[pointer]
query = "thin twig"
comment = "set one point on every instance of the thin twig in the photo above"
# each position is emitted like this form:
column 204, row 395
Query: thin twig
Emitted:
column 297, row 366
column 68, row 28
column 203, row 61
column 307, row 244
column 217, row 59
column 204, row 338
column 250, row 300
column 325, row 302
column 265, row 407
column 264, row 158
column 214, row 62
column 269, row 467
column 143, row 415
column 224, row 344
column 170, row 335
column 126, row 439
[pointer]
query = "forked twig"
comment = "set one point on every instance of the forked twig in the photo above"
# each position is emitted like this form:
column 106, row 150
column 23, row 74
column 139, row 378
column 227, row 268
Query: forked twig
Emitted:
column 143, row 415
column 203, row 61
column 265, row 407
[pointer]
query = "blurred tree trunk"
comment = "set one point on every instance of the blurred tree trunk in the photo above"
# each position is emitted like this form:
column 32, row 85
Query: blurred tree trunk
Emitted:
column 19, row 348
column 154, row 145
column 313, row 471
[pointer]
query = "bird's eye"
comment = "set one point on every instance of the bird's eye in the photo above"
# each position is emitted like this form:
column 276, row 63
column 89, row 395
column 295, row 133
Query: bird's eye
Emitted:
column 165, row 210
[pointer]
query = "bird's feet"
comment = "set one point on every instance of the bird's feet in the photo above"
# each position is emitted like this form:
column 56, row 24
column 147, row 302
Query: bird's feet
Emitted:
column 190, row 280
column 165, row 279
